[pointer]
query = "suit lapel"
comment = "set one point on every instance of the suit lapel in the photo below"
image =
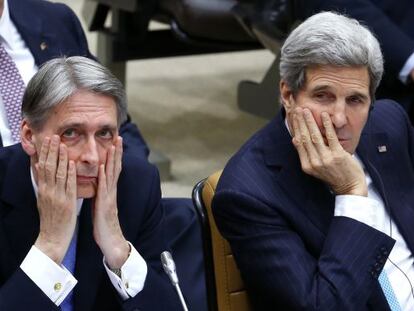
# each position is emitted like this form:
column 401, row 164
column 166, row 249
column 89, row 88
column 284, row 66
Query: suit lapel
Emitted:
column 21, row 222
column 386, row 177
column 306, row 192
column 33, row 30
column 89, row 266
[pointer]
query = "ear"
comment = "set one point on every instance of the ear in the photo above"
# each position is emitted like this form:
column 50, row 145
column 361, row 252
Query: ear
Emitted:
column 286, row 96
column 27, row 138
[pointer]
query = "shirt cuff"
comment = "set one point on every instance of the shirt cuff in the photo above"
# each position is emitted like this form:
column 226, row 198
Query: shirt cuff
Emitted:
column 406, row 70
column 133, row 275
column 54, row 280
column 358, row 207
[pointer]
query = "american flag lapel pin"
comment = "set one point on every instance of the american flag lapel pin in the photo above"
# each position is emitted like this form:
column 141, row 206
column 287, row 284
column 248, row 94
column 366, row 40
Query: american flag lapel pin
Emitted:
column 43, row 46
column 382, row 148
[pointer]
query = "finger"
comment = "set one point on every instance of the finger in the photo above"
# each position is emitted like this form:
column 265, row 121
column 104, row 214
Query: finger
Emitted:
column 110, row 166
column 297, row 142
column 118, row 159
column 42, row 160
column 331, row 136
column 315, row 134
column 102, row 186
column 51, row 161
column 305, row 138
column 71, row 180
column 62, row 169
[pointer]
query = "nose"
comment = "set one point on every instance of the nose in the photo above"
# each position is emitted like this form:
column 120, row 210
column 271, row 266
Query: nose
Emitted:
column 338, row 114
column 90, row 153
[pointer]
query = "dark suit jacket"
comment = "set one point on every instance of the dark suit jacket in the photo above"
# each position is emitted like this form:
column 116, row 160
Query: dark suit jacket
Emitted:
column 392, row 23
column 56, row 27
column 141, row 218
column 292, row 253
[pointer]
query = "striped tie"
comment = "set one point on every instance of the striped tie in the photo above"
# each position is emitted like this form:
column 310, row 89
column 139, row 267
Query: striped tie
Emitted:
column 388, row 291
column 11, row 90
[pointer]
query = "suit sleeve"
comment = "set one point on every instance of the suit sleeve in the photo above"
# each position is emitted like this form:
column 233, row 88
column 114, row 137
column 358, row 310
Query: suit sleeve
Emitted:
column 17, row 290
column 281, row 270
column 396, row 45
column 20, row 293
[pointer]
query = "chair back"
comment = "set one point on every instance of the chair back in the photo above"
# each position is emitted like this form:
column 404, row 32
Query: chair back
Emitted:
column 225, row 288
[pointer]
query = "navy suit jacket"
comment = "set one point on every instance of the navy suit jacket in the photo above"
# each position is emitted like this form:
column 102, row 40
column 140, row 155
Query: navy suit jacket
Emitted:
column 392, row 23
column 52, row 30
column 292, row 252
column 141, row 218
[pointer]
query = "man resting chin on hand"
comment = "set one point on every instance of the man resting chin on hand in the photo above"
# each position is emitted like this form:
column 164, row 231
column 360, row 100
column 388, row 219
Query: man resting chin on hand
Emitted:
column 81, row 223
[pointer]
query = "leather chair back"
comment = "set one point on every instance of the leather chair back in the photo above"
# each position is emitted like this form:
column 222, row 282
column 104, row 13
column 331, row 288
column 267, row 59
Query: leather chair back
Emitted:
column 225, row 287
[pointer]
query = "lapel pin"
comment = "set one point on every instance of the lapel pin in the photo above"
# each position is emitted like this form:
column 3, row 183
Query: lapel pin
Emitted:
column 382, row 149
column 43, row 46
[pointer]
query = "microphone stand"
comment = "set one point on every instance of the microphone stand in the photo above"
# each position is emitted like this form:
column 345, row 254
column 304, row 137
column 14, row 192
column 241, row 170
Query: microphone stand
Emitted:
column 169, row 267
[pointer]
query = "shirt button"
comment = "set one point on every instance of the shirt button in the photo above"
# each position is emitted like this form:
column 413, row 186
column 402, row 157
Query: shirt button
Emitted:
column 126, row 285
column 57, row 287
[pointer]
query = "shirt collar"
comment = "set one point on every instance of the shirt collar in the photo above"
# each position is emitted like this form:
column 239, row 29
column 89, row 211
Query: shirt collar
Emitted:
column 79, row 202
column 287, row 126
column 6, row 25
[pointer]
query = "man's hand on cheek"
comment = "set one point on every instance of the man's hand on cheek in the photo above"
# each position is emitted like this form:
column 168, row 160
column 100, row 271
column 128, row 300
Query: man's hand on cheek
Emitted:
column 56, row 201
column 107, row 231
column 328, row 162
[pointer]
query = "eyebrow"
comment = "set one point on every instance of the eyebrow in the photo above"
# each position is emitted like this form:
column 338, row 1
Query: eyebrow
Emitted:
column 355, row 93
column 82, row 125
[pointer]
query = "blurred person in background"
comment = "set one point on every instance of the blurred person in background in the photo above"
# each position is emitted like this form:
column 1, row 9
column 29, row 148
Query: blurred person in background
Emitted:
column 32, row 32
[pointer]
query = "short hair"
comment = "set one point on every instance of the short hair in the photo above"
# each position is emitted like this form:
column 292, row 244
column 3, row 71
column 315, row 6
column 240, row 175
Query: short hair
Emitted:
column 329, row 38
column 60, row 78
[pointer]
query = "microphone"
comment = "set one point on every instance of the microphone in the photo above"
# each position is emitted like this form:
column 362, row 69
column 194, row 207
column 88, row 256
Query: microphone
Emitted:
column 169, row 267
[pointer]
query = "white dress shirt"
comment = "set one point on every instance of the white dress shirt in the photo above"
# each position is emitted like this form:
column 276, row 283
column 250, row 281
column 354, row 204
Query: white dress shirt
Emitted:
column 57, row 282
column 372, row 212
column 407, row 68
column 22, row 57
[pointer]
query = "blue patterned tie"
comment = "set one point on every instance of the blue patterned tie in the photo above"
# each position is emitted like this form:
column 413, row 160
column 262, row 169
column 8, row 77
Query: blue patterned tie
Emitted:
column 388, row 291
column 69, row 262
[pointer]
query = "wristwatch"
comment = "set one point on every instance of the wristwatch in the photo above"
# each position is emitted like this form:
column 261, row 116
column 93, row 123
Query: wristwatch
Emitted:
column 117, row 271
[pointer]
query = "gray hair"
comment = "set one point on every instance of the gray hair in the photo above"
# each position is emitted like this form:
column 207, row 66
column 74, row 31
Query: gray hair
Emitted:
column 329, row 38
column 60, row 78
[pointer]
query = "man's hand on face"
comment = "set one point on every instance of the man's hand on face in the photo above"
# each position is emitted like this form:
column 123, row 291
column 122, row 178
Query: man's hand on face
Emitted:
column 106, row 228
column 56, row 181
column 327, row 161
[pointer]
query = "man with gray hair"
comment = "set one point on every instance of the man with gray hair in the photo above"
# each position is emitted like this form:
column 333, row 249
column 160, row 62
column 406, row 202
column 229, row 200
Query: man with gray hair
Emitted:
column 80, row 223
column 318, row 205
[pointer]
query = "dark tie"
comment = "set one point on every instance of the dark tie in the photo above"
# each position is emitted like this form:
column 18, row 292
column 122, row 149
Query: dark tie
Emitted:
column 11, row 90
column 69, row 262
